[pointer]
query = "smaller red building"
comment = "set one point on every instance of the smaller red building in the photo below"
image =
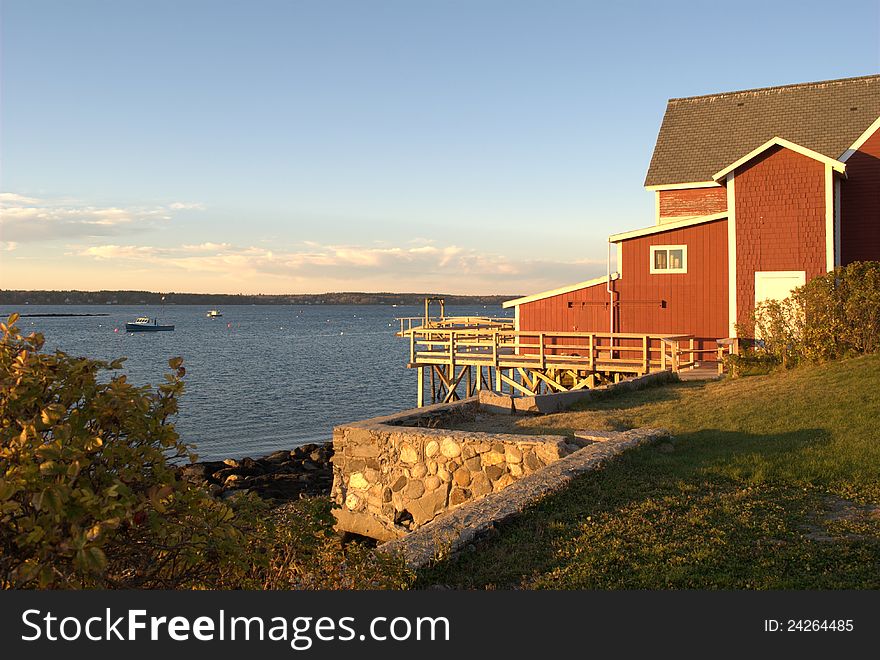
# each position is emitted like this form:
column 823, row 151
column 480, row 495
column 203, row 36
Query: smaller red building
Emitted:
column 756, row 192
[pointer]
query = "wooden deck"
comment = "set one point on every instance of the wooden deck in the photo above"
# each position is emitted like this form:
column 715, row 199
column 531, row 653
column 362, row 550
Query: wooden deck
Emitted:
column 471, row 353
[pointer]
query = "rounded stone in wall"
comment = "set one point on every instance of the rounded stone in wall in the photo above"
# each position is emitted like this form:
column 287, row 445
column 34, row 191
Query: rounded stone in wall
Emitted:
column 512, row 454
column 414, row 490
column 474, row 464
column 358, row 481
column 444, row 474
column 480, row 484
column 532, row 462
column 432, row 482
column 459, row 496
column 462, row 477
column 408, row 454
column 492, row 458
column 494, row 472
column 352, row 501
column 450, row 448
column 419, row 470
column 432, row 448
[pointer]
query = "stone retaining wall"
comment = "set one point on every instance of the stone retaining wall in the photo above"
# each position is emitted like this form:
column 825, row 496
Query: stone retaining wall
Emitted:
column 396, row 474
column 449, row 533
column 391, row 479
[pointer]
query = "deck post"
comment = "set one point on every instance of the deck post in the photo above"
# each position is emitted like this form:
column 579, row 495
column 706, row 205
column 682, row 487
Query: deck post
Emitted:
column 421, row 387
column 645, row 358
column 451, row 353
column 692, row 351
column 543, row 357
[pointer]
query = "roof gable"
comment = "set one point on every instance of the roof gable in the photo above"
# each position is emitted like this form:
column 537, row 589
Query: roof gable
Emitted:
column 836, row 165
column 701, row 135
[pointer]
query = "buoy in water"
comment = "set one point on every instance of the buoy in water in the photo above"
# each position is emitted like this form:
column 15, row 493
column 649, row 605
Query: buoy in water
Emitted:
column 115, row 329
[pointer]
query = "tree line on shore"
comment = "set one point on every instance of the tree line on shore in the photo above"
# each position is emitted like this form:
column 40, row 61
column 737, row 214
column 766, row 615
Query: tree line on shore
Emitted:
column 13, row 297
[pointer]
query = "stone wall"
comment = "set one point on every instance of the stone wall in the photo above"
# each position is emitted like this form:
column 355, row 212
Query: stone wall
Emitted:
column 389, row 479
column 447, row 534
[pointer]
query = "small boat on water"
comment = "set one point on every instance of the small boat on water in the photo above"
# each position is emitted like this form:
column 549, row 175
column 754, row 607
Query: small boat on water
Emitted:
column 146, row 324
column 213, row 314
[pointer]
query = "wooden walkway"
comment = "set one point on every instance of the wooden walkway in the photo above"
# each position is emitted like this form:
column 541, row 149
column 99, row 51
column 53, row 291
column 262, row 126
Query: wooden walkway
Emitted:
column 471, row 354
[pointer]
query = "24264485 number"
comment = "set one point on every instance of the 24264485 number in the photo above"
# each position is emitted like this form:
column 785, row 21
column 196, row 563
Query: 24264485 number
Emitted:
column 808, row 625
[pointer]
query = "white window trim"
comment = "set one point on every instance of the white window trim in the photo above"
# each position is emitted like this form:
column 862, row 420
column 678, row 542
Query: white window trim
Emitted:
column 669, row 271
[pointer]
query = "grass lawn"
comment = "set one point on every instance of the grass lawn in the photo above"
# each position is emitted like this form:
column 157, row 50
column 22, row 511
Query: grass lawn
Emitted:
column 771, row 482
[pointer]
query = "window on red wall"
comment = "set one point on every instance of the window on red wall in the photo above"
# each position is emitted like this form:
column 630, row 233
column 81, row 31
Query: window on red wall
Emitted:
column 666, row 259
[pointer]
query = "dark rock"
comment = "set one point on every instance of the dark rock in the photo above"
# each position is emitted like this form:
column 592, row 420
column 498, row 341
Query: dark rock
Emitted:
column 494, row 472
column 278, row 456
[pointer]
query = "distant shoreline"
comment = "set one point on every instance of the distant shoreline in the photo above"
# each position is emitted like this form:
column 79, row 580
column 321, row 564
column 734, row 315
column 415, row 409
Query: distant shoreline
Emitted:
column 21, row 298
column 31, row 316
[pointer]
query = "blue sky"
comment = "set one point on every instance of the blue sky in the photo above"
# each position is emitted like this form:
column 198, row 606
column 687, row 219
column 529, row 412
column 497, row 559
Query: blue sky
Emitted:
column 411, row 145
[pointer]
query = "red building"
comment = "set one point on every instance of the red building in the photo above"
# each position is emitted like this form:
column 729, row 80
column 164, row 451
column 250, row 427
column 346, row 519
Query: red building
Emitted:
column 756, row 192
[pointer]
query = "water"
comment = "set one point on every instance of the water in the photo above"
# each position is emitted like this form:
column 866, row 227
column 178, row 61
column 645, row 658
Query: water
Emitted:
column 261, row 377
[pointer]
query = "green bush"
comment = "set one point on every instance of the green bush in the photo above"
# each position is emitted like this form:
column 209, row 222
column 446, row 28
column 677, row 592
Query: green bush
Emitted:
column 90, row 496
column 830, row 317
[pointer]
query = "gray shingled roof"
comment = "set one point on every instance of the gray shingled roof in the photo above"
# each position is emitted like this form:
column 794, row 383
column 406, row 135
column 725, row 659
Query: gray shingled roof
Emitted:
column 701, row 135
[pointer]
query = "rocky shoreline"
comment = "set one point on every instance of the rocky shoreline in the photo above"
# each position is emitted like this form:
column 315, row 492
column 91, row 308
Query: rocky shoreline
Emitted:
column 281, row 476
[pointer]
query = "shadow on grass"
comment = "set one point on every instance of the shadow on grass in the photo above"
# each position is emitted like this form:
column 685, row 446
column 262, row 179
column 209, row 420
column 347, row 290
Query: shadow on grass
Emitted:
column 720, row 510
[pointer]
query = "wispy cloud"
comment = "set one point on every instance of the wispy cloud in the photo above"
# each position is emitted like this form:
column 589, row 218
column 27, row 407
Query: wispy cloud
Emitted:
column 186, row 206
column 26, row 219
column 313, row 266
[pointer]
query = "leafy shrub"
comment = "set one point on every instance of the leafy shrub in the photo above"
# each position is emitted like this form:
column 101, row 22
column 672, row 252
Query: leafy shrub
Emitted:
column 90, row 496
column 830, row 317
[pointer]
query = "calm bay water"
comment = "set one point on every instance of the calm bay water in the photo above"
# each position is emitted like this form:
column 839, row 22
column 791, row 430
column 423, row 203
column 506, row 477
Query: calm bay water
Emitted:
column 261, row 377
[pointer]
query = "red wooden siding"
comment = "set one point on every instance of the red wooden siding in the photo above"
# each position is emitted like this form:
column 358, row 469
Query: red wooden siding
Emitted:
column 780, row 220
column 860, row 204
column 689, row 303
column 692, row 202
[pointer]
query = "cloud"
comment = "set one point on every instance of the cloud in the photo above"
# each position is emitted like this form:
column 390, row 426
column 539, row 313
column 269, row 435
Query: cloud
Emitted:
column 429, row 267
column 186, row 206
column 26, row 219
column 15, row 199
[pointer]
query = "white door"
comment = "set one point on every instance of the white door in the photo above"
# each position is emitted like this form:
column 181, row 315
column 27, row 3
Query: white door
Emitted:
column 777, row 284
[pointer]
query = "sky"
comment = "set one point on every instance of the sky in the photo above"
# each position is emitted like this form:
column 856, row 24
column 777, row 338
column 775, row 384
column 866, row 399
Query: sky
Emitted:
column 299, row 146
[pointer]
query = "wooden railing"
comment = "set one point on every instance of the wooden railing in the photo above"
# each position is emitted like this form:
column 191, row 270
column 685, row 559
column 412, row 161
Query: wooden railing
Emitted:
column 504, row 348
column 409, row 323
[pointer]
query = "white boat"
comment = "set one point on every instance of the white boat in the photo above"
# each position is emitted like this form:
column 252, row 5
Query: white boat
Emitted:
column 213, row 314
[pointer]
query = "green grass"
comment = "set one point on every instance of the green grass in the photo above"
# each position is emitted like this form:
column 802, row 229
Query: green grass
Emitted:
column 749, row 495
